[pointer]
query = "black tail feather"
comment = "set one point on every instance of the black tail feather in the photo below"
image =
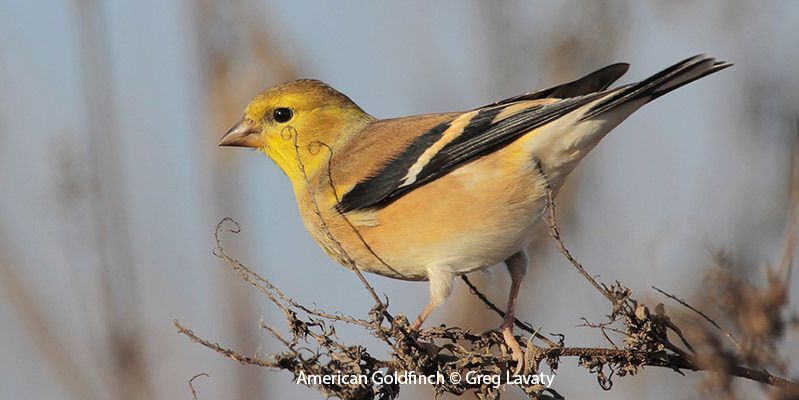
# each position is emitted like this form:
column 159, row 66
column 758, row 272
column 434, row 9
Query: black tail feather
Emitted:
column 665, row 81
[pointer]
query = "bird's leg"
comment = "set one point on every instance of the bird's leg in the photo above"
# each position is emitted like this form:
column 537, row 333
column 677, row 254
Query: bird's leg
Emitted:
column 507, row 327
column 440, row 288
column 417, row 324
column 430, row 347
column 517, row 267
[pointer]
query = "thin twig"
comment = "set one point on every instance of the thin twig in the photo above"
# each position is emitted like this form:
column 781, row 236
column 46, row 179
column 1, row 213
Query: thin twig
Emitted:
column 233, row 355
column 521, row 324
column 266, row 286
column 554, row 231
column 329, row 170
column 292, row 132
column 674, row 328
column 381, row 307
column 191, row 384
column 278, row 336
column 604, row 327
column 700, row 313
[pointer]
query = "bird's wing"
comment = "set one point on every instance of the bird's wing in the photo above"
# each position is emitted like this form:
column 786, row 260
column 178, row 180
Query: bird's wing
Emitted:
column 461, row 138
column 439, row 149
column 447, row 145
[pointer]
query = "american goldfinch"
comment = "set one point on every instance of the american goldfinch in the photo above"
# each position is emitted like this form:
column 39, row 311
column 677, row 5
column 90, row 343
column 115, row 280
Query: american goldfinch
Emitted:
column 430, row 197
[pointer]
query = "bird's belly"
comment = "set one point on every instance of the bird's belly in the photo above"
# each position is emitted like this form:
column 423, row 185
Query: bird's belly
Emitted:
column 410, row 258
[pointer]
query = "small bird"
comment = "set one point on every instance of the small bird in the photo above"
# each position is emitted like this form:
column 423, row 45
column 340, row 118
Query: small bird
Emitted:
column 434, row 196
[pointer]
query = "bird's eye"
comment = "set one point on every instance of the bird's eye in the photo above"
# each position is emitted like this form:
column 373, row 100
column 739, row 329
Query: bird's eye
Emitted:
column 282, row 114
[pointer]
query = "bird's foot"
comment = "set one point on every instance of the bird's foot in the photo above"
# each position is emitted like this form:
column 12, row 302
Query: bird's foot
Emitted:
column 417, row 325
column 515, row 348
column 413, row 339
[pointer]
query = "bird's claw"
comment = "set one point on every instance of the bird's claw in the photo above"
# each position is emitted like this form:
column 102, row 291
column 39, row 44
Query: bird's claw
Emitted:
column 516, row 350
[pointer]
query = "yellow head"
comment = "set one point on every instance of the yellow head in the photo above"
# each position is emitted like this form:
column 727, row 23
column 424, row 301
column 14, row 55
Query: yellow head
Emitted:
column 293, row 121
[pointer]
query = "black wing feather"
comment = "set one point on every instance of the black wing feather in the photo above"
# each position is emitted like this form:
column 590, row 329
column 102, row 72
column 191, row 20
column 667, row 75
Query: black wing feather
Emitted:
column 375, row 189
column 480, row 137
column 596, row 81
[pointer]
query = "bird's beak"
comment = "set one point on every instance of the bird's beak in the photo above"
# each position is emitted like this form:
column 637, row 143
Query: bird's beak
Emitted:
column 243, row 134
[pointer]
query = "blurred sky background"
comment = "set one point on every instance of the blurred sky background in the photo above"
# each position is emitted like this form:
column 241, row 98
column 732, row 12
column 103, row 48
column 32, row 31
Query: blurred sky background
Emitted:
column 111, row 182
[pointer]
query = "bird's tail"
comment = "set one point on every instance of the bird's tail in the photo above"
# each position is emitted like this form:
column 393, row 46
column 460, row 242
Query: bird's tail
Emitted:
column 659, row 84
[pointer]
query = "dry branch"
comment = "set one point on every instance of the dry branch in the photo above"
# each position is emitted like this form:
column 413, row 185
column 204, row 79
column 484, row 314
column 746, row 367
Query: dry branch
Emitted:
column 313, row 348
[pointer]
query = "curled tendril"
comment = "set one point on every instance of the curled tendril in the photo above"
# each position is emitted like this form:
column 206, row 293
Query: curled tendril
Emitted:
column 288, row 132
column 315, row 146
column 605, row 381
column 220, row 228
